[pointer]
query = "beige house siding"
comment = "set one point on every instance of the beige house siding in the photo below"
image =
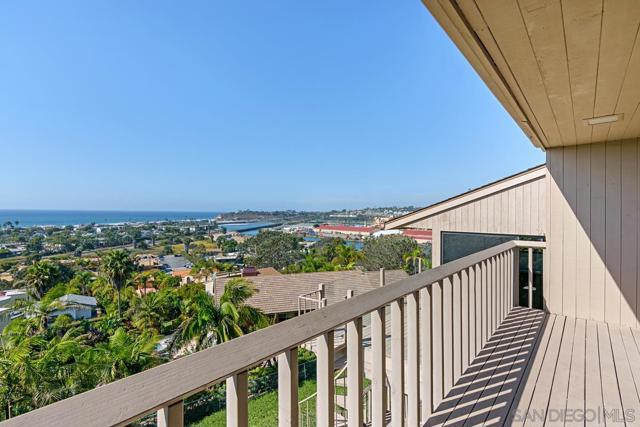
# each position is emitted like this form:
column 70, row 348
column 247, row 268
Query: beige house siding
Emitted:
column 515, row 205
column 593, row 230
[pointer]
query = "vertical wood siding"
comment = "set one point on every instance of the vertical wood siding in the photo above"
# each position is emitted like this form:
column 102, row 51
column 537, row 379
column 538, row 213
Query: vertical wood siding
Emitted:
column 514, row 210
column 593, row 231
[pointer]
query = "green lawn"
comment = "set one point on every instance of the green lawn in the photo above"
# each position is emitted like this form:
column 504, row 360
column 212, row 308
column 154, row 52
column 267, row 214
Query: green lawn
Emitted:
column 263, row 410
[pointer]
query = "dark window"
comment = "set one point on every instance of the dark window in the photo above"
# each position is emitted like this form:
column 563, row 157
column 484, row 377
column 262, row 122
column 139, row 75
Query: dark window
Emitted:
column 456, row 245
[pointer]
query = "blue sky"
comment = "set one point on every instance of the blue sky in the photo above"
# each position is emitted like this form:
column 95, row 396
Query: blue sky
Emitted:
column 224, row 105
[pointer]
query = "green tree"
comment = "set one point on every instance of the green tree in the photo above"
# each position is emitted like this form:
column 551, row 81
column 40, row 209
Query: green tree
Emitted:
column 124, row 354
column 42, row 276
column 118, row 266
column 273, row 249
column 207, row 322
column 386, row 252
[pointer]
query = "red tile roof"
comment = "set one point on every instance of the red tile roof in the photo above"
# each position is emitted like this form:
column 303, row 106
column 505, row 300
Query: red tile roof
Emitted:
column 418, row 234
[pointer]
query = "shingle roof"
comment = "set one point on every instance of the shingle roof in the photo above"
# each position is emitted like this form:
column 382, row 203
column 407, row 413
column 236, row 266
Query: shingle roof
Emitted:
column 279, row 293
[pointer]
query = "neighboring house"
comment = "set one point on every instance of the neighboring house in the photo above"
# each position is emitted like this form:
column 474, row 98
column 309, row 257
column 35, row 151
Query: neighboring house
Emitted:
column 9, row 297
column 278, row 294
column 349, row 231
column 148, row 261
column 76, row 306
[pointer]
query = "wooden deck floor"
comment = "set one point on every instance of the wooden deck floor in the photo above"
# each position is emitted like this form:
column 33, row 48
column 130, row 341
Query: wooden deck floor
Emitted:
column 548, row 370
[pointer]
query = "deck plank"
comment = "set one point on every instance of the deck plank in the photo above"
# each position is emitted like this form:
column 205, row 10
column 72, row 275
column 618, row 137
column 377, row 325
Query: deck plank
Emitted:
column 477, row 399
column 455, row 403
column 540, row 399
column 610, row 390
column 520, row 405
column 510, row 385
column 634, row 357
column 576, row 392
column 560, row 388
column 626, row 384
column 593, row 381
column 543, row 369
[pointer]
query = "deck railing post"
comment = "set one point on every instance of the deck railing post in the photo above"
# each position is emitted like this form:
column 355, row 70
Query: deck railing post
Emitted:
column 171, row 416
column 288, row 388
column 355, row 371
column 238, row 400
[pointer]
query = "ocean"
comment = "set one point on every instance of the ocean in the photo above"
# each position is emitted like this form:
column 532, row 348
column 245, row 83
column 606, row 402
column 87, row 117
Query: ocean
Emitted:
column 28, row 218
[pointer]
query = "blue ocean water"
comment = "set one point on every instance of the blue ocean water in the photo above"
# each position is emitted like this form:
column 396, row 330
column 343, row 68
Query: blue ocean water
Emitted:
column 29, row 218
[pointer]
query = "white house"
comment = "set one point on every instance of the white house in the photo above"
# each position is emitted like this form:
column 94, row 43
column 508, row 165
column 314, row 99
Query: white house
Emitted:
column 76, row 306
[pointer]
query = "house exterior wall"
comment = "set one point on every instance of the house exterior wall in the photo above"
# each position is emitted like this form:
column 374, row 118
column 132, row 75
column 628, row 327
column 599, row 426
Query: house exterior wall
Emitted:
column 592, row 255
column 519, row 209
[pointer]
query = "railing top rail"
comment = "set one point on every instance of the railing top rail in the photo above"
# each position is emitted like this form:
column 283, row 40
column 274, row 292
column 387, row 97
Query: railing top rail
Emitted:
column 123, row 401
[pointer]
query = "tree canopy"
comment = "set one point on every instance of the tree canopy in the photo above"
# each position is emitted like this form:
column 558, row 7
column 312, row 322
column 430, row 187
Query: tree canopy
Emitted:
column 273, row 249
column 386, row 252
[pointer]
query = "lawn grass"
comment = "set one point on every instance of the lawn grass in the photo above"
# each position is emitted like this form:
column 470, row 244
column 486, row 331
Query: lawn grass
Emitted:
column 263, row 410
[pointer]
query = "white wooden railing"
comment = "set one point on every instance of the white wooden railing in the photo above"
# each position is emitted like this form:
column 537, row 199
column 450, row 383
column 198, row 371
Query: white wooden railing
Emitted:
column 449, row 313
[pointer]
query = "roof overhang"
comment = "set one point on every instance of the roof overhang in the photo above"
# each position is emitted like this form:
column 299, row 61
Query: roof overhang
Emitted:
column 554, row 65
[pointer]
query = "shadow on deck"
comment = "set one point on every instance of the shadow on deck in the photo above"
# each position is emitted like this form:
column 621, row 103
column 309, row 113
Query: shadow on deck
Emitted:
column 540, row 369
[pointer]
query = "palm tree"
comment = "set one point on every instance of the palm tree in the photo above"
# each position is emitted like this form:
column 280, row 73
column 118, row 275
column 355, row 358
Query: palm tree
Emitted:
column 237, row 291
column 40, row 277
column 148, row 311
column 124, row 354
column 411, row 260
column 207, row 322
column 118, row 266
column 346, row 257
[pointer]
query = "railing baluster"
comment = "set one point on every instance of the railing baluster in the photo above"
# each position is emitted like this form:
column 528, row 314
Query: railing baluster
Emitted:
column 238, row 400
column 465, row 318
column 447, row 334
column 325, row 405
column 494, row 294
column 515, row 267
column 486, row 304
column 478, row 297
column 472, row 313
column 426, row 369
column 397, row 362
column 413, row 361
column 456, row 308
column 288, row 388
column 500, row 284
column 355, row 371
column 437, row 344
column 171, row 416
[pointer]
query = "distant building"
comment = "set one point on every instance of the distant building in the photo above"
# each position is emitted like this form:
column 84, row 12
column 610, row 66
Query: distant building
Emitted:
column 350, row 231
column 148, row 261
column 76, row 306
column 9, row 297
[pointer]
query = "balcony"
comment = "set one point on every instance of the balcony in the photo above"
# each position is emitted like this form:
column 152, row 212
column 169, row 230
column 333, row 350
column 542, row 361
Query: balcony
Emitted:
column 462, row 352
